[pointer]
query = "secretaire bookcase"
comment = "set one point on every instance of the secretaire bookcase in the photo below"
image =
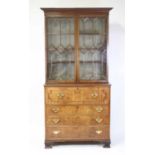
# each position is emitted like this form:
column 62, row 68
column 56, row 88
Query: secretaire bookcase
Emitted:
column 77, row 92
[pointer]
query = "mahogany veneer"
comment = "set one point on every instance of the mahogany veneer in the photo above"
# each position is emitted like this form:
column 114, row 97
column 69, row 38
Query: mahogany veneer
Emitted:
column 77, row 104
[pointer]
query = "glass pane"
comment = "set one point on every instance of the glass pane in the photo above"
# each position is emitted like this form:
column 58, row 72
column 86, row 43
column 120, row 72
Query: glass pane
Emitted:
column 60, row 34
column 92, row 49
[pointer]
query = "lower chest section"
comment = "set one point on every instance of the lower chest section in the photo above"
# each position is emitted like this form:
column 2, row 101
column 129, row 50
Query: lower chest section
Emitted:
column 77, row 113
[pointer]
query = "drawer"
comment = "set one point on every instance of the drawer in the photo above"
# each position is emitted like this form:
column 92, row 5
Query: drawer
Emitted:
column 74, row 95
column 72, row 110
column 59, row 94
column 77, row 132
column 76, row 120
column 62, row 94
column 90, row 94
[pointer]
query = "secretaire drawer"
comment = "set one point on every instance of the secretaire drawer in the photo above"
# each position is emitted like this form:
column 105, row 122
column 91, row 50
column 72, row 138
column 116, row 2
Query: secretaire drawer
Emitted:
column 58, row 94
column 76, row 94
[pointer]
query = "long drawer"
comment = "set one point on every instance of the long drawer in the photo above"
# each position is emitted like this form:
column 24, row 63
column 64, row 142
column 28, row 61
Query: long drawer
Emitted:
column 76, row 120
column 77, row 110
column 63, row 95
column 77, row 133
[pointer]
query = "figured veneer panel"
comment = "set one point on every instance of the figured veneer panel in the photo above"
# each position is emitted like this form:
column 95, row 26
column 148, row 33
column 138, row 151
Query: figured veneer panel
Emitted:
column 59, row 94
column 77, row 132
column 76, row 94
column 77, row 110
column 76, row 120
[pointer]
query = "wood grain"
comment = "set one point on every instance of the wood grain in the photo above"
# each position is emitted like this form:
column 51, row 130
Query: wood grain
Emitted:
column 77, row 110
column 76, row 132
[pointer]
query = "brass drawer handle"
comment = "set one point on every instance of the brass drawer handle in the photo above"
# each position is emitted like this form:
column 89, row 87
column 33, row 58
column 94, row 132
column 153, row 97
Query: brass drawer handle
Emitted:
column 56, row 132
column 99, row 109
column 60, row 95
column 98, row 131
column 56, row 120
column 94, row 95
column 99, row 120
column 55, row 109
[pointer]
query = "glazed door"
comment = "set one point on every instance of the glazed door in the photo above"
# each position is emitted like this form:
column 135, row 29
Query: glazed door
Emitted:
column 92, row 49
column 60, row 49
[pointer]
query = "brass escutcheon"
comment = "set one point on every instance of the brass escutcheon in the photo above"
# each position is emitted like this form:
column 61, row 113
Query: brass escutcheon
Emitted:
column 55, row 120
column 56, row 132
column 55, row 109
column 94, row 95
column 99, row 120
column 98, row 131
column 99, row 109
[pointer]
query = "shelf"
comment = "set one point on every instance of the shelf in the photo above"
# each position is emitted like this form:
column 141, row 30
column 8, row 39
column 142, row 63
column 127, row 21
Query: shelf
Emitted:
column 60, row 34
column 96, row 61
column 55, row 62
column 93, row 34
column 89, row 33
column 90, row 48
column 64, row 50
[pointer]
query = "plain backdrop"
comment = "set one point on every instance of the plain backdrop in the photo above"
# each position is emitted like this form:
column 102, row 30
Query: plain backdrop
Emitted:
column 22, row 78
column 116, row 71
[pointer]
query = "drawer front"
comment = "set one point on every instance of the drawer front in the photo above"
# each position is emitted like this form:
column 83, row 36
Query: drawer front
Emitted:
column 59, row 94
column 77, row 132
column 72, row 110
column 76, row 120
column 90, row 94
column 77, row 115
column 77, row 95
